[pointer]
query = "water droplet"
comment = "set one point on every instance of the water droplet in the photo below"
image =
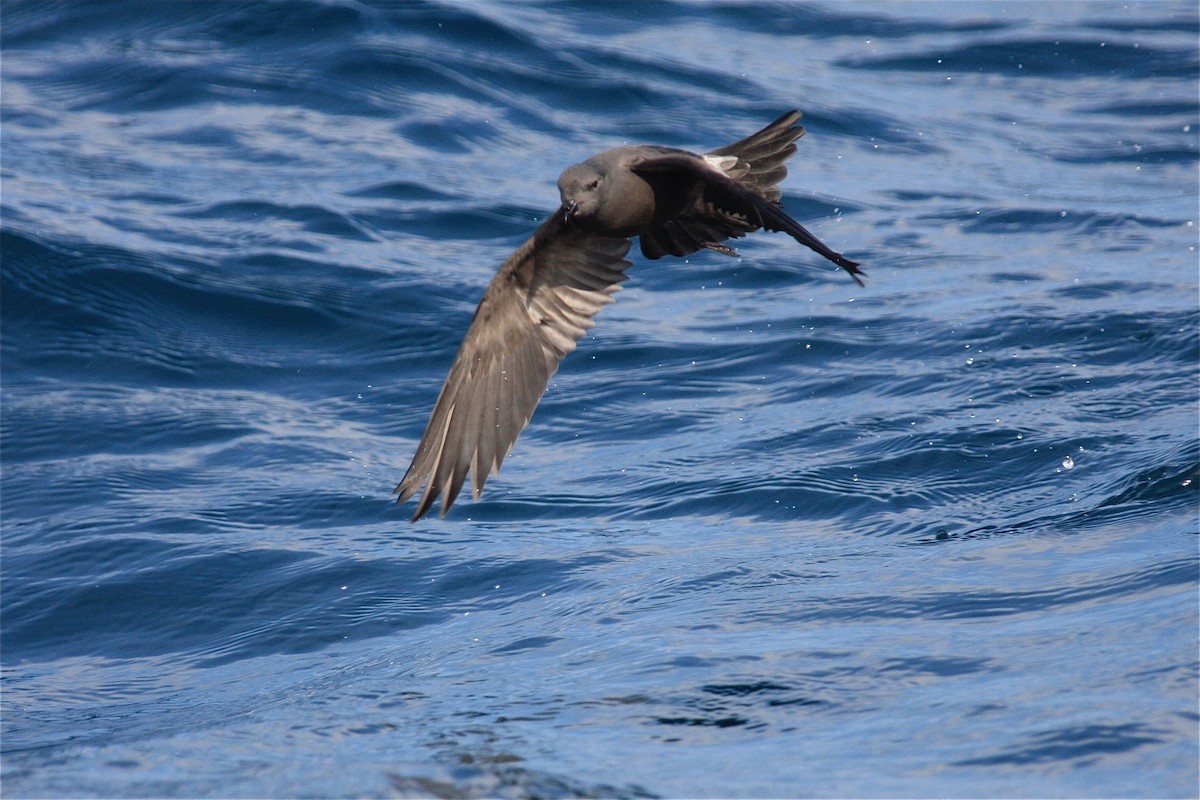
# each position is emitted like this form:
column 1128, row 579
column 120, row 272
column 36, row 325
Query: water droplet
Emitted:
column 1068, row 462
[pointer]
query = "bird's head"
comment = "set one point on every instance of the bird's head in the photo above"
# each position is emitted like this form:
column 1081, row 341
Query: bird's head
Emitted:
column 580, row 189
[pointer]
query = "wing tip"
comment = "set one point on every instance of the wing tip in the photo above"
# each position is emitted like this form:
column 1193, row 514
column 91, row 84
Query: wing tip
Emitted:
column 851, row 267
column 855, row 273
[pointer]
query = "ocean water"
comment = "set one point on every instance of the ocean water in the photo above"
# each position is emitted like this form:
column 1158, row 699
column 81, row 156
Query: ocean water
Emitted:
column 768, row 535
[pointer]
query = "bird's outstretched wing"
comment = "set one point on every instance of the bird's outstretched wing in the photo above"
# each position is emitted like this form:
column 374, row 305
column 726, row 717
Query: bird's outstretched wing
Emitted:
column 728, row 207
column 537, row 307
column 758, row 162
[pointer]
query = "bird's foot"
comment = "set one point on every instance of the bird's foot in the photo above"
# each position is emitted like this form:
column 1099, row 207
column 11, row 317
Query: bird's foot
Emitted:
column 721, row 248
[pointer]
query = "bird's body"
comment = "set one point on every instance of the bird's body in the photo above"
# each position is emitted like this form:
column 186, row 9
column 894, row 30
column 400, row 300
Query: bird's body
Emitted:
column 543, row 298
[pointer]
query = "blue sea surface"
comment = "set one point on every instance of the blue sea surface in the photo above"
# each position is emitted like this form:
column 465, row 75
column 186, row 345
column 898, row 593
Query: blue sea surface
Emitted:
column 769, row 534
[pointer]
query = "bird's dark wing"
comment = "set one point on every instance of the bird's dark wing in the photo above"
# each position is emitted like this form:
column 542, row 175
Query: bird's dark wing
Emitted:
column 758, row 162
column 537, row 307
column 725, row 205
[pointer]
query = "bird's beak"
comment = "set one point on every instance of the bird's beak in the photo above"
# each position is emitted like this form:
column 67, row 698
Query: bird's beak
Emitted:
column 569, row 210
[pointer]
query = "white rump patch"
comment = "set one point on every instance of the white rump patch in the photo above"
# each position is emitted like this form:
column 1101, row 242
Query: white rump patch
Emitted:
column 723, row 164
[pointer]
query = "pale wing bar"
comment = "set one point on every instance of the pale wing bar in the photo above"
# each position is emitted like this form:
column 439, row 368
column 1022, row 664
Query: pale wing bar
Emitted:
column 742, row 209
column 534, row 311
column 759, row 165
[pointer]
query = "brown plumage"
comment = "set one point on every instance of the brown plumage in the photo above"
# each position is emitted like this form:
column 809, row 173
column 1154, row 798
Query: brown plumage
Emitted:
column 544, row 297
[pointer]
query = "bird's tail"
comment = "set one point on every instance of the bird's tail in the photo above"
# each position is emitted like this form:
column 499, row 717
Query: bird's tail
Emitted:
column 762, row 156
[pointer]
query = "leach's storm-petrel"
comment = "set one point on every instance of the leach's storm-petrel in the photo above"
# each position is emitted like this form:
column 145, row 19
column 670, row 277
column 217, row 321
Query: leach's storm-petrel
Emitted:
column 545, row 295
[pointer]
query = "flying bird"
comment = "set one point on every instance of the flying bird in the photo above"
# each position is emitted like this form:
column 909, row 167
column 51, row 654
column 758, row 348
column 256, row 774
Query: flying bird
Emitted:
column 544, row 297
